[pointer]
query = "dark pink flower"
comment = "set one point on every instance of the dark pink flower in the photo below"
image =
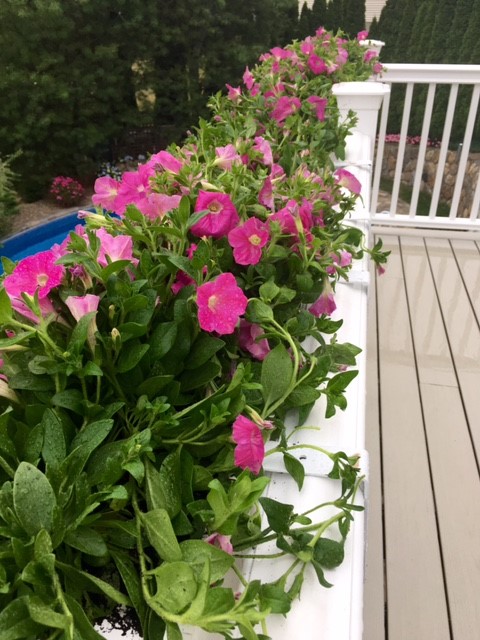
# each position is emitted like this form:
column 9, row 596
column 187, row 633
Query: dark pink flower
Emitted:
column 220, row 302
column 325, row 305
column 234, row 93
column 223, row 215
column 284, row 107
column 342, row 57
column 248, row 79
column 377, row 67
column 346, row 179
column 106, row 191
column 248, row 240
column 265, row 196
column 281, row 54
column 134, row 187
column 250, row 449
column 342, row 258
column 35, row 273
column 221, row 541
column 320, row 106
column 182, row 280
column 370, row 55
column 307, row 47
column 317, row 64
column 250, row 339
column 362, row 35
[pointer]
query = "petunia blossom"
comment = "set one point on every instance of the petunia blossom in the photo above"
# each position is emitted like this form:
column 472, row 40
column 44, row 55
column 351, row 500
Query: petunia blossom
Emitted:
column 248, row 78
column 79, row 306
column 248, row 240
column 284, row 107
column 250, row 449
column 317, row 64
column 234, row 93
column 223, row 215
column 249, row 339
column 265, row 195
column 342, row 258
column 263, row 147
column 220, row 302
column 221, row 541
column 325, row 304
column 165, row 161
column 346, row 179
column 115, row 248
column 134, row 187
column 35, row 273
column 106, row 192
column 227, row 156
column 156, row 205
column 320, row 105
column 45, row 305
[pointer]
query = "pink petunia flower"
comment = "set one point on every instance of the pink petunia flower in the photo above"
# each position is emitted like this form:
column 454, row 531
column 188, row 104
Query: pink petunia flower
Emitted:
column 45, row 304
column 221, row 541
column 248, row 240
column 263, row 147
column 220, row 302
column 343, row 259
column 325, row 305
column 115, row 248
column 79, row 306
column 284, row 107
column 317, row 64
column 234, row 93
column 346, row 179
column 156, row 205
column 362, row 35
column 134, row 188
column 165, row 161
column 250, row 449
column 227, row 156
column 248, row 78
column 223, row 215
column 320, row 105
column 265, row 195
column 369, row 55
column 106, row 192
column 35, row 273
column 249, row 339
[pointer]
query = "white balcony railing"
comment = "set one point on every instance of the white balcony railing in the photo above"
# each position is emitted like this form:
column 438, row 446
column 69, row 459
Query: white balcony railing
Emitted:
column 464, row 217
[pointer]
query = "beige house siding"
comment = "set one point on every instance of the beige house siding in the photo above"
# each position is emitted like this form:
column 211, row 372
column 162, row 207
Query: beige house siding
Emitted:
column 373, row 8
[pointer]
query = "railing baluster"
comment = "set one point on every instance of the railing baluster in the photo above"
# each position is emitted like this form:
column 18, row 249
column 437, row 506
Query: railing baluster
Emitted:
column 401, row 148
column 443, row 150
column 379, row 157
column 476, row 201
column 422, row 149
column 472, row 114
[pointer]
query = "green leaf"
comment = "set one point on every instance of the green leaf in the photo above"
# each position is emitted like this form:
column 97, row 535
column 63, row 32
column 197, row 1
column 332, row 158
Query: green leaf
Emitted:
column 164, row 487
column 88, row 541
column 16, row 623
column 153, row 626
column 152, row 386
column 80, row 332
column 71, row 399
column 5, row 307
column 10, row 344
column 26, row 380
column 273, row 597
column 340, row 382
column 268, row 291
column 54, row 449
column 33, row 498
column 328, row 553
column 82, row 623
column 197, row 552
column 82, row 577
column 194, row 379
column 303, row 395
column 276, row 374
column 259, row 312
column 46, row 615
column 295, row 469
column 219, row 600
column 173, row 631
column 176, row 586
column 130, row 356
column 92, row 435
column 131, row 579
column 321, row 575
column 161, row 535
column 162, row 339
column 203, row 349
column 278, row 514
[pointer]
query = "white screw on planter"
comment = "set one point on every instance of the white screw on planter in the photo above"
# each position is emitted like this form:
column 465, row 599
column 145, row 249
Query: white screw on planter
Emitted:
column 365, row 98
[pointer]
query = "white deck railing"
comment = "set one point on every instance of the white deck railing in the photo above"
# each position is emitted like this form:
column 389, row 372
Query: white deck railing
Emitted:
column 431, row 76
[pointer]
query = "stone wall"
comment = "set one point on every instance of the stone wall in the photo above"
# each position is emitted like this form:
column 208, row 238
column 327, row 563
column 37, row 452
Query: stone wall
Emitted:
column 430, row 171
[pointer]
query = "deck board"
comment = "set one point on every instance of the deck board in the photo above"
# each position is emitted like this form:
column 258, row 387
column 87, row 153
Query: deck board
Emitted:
column 428, row 337
column 416, row 602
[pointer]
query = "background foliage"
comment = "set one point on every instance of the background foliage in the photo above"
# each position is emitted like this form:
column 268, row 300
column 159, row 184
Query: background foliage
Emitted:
column 79, row 73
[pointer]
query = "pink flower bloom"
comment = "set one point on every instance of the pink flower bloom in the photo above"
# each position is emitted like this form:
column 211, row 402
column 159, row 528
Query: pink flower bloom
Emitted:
column 79, row 306
column 227, row 156
column 320, row 106
column 248, row 79
column 369, row 55
column 263, row 146
column 166, row 161
column 362, row 35
column 248, row 240
column 294, row 219
column 285, row 107
column 37, row 272
column 342, row 57
column 377, row 67
column 307, row 47
column 343, row 259
column 281, row 54
column 220, row 302
column 221, row 541
column 222, row 217
column 317, row 64
column 265, row 196
column 234, row 93
column 380, row 269
column 346, row 179
column 115, row 248
column 325, row 305
column 249, row 339
column 250, row 449
column 46, row 308
column 156, row 205
column 106, row 191
column 134, row 187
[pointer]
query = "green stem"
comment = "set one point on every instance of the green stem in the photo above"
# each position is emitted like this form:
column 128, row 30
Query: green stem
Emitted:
column 239, row 575
column 254, row 556
column 6, row 467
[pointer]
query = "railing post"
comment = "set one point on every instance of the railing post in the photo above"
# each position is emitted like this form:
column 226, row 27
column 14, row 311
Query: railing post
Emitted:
column 365, row 99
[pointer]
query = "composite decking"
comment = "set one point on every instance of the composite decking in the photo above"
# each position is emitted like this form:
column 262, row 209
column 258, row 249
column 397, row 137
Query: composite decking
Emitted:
column 423, row 437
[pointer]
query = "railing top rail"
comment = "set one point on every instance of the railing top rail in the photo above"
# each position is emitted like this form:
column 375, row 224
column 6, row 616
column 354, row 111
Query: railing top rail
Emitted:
column 425, row 73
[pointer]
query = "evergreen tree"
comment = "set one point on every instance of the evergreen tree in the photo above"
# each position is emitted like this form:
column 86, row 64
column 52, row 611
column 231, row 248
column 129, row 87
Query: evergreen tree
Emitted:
column 444, row 15
column 467, row 46
column 422, row 31
column 405, row 27
column 353, row 18
column 373, row 30
column 319, row 13
column 334, row 17
column 305, row 22
column 387, row 29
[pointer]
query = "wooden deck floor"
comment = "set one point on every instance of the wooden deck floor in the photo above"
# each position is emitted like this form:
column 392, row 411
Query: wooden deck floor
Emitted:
column 423, row 435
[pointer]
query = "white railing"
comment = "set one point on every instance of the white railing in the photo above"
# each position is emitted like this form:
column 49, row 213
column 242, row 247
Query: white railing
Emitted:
column 430, row 76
